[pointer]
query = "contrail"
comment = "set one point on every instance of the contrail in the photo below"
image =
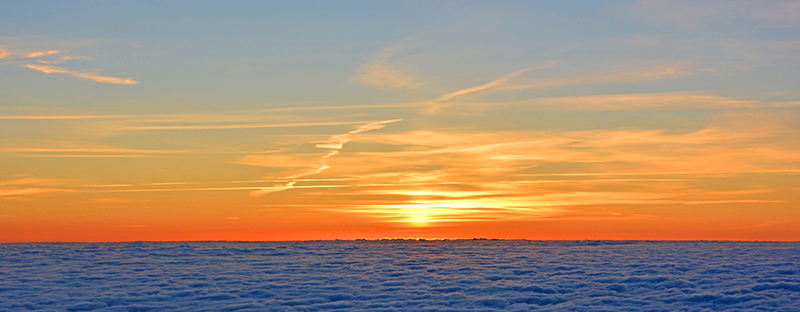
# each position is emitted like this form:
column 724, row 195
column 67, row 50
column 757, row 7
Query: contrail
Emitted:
column 333, row 145
column 437, row 104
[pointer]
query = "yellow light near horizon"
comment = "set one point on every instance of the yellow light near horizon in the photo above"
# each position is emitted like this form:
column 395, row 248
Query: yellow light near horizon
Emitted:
column 424, row 213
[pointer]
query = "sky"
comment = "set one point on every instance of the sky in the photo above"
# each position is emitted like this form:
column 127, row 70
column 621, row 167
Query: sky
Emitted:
column 286, row 120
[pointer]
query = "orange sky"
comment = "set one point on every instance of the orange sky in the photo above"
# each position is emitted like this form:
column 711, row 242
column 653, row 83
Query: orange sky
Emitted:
column 523, row 120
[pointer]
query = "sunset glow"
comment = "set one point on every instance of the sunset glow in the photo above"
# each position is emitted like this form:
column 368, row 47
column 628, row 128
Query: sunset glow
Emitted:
column 126, row 121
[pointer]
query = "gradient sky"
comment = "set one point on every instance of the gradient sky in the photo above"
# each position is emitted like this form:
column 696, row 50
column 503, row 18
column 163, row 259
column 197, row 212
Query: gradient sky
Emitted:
column 195, row 120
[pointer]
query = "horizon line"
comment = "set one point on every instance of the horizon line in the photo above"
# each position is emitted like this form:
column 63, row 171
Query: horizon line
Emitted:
column 413, row 239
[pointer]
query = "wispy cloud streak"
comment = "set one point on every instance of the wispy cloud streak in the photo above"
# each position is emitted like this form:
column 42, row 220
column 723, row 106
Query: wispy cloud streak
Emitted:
column 437, row 104
column 381, row 72
column 636, row 101
column 61, row 117
column 333, row 144
column 42, row 60
column 30, row 191
column 244, row 126
column 35, row 54
column 48, row 69
column 612, row 74
column 265, row 190
column 494, row 83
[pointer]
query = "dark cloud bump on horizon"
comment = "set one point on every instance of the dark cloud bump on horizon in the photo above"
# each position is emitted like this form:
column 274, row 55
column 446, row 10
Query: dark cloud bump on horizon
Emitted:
column 400, row 276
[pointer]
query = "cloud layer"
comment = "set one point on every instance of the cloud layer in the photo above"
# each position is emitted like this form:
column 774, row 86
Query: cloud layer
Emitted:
column 456, row 275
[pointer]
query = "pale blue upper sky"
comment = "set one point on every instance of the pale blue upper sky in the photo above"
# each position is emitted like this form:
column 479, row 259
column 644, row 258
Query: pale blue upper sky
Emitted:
column 307, row 51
